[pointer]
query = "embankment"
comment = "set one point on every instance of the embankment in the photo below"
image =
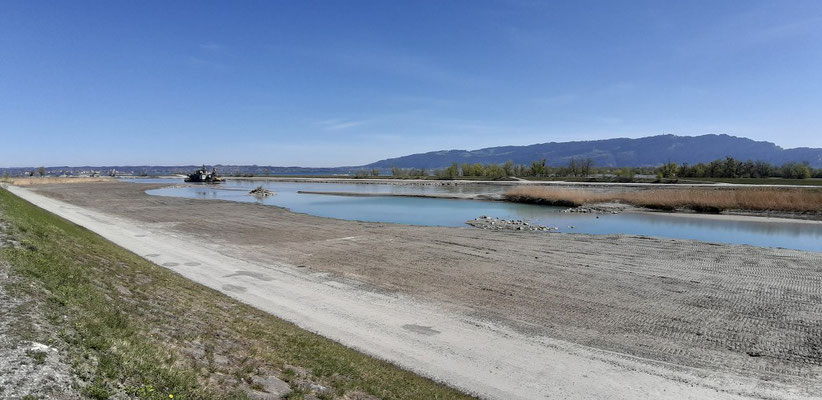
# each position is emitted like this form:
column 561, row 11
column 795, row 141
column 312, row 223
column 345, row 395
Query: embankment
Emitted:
column 135, row 329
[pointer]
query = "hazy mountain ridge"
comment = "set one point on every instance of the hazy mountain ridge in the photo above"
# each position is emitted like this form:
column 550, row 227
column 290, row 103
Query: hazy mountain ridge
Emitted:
column 620, row 152
column 647, row 151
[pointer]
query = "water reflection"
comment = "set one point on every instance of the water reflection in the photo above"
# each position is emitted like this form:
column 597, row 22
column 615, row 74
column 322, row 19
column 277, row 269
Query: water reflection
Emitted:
column 446, row 212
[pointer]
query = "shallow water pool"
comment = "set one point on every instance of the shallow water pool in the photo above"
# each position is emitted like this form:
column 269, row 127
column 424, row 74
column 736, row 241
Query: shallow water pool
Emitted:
column 447, row 212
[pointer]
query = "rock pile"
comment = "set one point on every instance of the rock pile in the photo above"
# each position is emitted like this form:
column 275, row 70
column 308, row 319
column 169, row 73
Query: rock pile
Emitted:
column 597, row 209
column 498, row 224
column 260, row 191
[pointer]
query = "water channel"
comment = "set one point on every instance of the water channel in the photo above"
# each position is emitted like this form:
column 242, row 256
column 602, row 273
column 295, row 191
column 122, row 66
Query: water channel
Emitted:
column 448, row 212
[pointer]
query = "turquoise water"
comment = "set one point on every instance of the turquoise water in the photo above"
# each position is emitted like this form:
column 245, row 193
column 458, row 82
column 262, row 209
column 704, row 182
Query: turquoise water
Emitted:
column 447, row 212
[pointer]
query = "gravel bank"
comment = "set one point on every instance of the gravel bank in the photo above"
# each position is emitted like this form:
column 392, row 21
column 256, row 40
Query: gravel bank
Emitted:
column 498, row 224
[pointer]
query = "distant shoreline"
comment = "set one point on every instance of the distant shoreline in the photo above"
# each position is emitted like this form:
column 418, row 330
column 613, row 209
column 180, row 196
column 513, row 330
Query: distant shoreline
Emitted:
column 513, row 183
column 450, row 196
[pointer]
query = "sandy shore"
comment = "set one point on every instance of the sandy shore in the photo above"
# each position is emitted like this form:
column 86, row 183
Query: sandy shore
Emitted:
column 727, row 319
column 453, row 196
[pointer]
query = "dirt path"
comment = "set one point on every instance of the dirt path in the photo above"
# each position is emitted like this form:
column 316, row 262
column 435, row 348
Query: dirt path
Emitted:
column 500, row 314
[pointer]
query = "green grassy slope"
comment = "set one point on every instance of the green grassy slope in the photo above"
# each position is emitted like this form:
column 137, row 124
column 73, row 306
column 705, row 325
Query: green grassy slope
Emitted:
column 132, row 327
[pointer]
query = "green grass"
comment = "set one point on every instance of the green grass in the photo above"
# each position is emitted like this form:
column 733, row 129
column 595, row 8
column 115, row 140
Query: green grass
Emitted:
column 135, row 327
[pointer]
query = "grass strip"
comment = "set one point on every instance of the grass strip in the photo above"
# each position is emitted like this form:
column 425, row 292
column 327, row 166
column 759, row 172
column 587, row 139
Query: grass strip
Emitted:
column 138, row 329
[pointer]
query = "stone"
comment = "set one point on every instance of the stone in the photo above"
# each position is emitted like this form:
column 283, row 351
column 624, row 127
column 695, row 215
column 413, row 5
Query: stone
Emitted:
column 269, row 388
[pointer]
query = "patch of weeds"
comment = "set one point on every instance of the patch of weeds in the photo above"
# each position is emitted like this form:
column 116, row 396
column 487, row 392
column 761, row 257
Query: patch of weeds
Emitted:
column 38, row 356
column 325, row 396
column 97, row 390
column 296, row 394
column 149, row 392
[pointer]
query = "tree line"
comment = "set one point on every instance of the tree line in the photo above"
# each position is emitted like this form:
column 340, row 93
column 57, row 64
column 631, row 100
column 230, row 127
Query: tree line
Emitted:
column 730, row 167
column 575, row 167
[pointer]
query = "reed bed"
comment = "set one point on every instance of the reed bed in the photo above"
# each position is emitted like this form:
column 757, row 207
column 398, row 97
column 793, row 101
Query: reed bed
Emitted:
column 697, row 199
column 52, row 180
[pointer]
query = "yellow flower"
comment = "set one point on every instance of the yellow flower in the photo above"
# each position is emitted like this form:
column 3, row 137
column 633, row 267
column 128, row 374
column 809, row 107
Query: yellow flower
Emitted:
column 171, row 396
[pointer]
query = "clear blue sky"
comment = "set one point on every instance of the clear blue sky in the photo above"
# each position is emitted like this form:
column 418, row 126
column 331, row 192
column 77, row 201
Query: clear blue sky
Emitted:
column 349, row 82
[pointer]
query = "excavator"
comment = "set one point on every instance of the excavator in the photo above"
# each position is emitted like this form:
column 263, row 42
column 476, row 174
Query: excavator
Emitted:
column 202, row 175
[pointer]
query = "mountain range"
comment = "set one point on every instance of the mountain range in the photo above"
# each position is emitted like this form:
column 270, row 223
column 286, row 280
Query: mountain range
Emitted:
column 621, row 152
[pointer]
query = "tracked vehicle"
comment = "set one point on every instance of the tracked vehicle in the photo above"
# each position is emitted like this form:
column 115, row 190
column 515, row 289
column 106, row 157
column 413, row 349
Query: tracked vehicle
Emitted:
column 202, row 175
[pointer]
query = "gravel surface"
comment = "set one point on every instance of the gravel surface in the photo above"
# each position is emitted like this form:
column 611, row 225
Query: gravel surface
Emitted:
column 27, row 366
column 742, row 319
column 498, row 224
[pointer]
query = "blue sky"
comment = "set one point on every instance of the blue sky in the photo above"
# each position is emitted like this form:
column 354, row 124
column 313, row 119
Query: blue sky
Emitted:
column 349, row 82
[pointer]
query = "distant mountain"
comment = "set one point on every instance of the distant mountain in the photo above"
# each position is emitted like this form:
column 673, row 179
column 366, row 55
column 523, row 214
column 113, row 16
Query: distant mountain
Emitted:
column 623, row 152
column 647, row 151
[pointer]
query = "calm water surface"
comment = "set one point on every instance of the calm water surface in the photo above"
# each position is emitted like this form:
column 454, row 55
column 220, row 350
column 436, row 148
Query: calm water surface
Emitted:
column 446, row 212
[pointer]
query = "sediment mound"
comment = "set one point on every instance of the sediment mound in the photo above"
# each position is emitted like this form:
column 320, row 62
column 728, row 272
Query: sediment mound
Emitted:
column 498, row 224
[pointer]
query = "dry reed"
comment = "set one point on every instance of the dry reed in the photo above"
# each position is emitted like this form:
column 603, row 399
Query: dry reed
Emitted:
column 51, row 180
column 697, row 199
